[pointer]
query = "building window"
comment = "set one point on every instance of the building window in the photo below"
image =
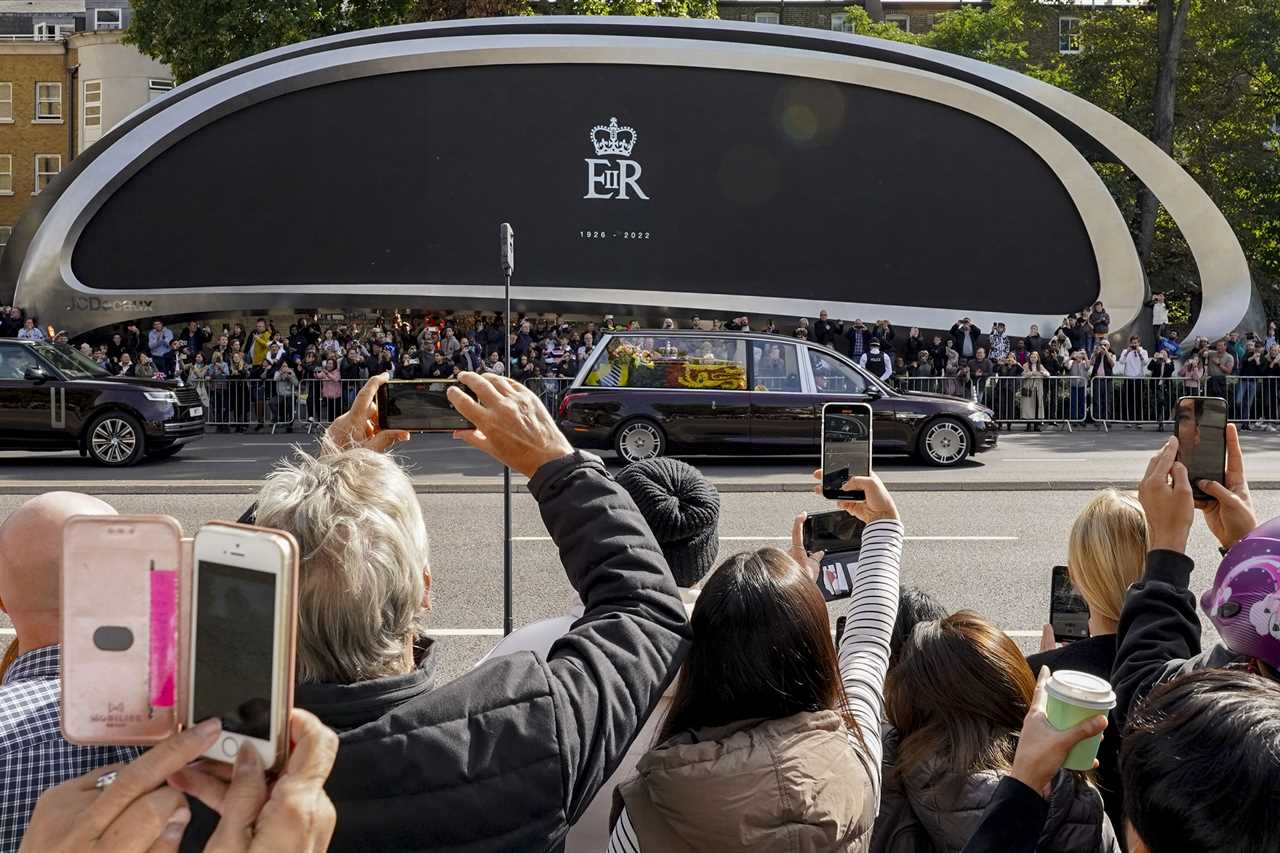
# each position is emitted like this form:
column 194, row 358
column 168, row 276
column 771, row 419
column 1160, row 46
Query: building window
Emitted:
column 47, row 165
column 766, row 17
column 6, row 103
column 108, row 19
column 48, row 102
column 6, row 174
column 157, row 88
column 46, row 31
column 1068, row 35
column 840, row 22
column 92, row 105
column 902, row 22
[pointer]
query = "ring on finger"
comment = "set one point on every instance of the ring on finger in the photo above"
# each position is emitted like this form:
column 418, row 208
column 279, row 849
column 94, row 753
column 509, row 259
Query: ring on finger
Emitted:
column 105, row 780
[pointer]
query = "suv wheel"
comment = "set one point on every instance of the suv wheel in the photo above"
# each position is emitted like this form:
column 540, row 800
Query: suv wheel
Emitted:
column 115, row 439
column 944, row 442
column 639, row 440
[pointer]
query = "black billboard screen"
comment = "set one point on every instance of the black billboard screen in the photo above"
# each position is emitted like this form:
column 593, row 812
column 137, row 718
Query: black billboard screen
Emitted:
column 615, row 176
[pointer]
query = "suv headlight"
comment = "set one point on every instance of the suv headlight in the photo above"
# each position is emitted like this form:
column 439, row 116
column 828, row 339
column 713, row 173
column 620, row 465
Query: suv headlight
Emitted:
column 981, row 418
column 161, row 397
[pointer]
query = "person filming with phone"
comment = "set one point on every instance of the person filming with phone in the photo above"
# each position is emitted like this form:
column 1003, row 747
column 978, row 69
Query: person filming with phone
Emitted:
column 439, row 768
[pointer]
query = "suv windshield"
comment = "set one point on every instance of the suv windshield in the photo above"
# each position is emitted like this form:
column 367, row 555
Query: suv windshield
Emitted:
column 70, row 362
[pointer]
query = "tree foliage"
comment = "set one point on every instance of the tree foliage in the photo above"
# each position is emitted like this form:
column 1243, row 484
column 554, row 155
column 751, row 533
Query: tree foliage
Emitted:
column 1227, row 98
column 195, row 36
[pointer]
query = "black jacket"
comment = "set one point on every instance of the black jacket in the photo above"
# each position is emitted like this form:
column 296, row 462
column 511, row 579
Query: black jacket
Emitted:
column 505, row 757
column 958, row 336
column 825, row 332
column 1159, row 636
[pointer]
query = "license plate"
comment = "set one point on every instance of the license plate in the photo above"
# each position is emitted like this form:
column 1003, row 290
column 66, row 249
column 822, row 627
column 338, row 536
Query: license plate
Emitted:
column 197, row 411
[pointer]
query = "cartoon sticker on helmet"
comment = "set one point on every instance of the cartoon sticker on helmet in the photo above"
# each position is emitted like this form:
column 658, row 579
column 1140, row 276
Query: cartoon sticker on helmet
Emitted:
column 1264, row 615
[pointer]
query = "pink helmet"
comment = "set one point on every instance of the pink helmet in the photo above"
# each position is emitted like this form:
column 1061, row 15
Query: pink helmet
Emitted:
column 1244, row 601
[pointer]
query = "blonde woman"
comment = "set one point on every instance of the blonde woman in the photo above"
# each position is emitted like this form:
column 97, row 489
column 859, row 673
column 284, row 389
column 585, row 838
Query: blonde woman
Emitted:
column 1106, row 552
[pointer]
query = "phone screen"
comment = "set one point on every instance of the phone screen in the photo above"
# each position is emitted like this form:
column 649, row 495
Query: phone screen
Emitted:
column 846, row 448
column 1200, row 424
column 835, row 576
column 420, row 406
column 832, row 532
column 234, row 645
column 1068, row 612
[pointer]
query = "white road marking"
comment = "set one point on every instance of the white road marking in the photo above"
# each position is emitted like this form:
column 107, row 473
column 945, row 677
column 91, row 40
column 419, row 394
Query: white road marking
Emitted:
column 218, row 459
column 1072, row 459
column 788, row 538
column 470, row 632
column 1025, row 634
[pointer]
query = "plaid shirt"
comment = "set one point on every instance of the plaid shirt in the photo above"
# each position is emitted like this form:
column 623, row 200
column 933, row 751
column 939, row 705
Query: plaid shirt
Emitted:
column 33, row 754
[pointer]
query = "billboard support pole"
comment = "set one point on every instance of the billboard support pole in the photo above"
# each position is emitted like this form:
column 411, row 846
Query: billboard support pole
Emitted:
column 508, row 258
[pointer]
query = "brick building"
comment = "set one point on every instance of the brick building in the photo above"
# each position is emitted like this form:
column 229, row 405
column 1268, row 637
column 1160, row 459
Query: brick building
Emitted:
column 66, row 77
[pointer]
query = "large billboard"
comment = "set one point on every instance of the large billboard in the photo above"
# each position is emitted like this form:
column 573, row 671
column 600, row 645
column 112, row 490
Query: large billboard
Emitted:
column 647, row 164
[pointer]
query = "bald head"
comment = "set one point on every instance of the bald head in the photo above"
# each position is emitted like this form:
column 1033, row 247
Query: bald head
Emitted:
column 31, row 549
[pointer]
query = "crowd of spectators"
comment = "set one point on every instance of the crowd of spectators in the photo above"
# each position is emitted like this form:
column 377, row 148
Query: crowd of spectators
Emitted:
column 1041, row 376
column 693, row 700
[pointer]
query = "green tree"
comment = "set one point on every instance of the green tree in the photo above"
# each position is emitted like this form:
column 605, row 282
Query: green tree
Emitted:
column 195, row 36
column 998, row 35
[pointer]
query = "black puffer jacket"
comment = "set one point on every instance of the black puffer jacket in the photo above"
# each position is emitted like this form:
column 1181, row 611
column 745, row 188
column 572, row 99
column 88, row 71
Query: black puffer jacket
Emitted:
column 938, row 810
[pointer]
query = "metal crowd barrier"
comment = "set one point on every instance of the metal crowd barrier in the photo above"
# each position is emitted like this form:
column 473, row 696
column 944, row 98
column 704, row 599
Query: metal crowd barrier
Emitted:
column 1036, row 400
column 242, row 404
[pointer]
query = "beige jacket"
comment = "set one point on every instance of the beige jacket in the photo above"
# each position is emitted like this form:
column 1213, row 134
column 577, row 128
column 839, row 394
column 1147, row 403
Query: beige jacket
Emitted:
column 775, row 786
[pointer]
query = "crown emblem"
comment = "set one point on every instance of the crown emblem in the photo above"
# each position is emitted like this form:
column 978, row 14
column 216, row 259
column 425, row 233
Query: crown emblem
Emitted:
column 612, row 139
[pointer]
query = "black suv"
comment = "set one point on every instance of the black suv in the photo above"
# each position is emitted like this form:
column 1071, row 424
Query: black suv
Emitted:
column 53, row 398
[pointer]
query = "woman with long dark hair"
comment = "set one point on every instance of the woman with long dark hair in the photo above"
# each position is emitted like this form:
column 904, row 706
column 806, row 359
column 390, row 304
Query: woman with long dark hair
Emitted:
column 956, row 700
column 773, row 739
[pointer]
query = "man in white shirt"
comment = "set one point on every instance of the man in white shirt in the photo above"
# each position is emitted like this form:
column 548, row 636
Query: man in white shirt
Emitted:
column 1132, row 365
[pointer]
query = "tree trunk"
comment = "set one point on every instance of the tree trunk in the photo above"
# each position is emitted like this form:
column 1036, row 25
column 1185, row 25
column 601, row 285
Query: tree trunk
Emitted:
column 1171, row 27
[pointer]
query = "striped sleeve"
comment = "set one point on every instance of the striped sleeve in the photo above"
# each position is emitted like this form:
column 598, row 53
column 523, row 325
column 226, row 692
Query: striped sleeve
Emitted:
column 623, row 837
column 864, row 647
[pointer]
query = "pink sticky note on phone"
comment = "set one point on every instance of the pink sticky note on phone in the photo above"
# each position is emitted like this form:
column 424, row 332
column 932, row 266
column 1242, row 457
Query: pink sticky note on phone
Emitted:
column 164, row 638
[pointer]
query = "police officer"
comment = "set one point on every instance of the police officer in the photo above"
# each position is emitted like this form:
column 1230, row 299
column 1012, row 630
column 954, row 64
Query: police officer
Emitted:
column 877, row 362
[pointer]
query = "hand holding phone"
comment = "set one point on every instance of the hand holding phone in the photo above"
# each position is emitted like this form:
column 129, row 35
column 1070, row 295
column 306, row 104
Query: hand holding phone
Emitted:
column 846, row 449
column 1230, row 515
column 360, row 425
column 1200, row 424
column 828, row 532
column 420, row 405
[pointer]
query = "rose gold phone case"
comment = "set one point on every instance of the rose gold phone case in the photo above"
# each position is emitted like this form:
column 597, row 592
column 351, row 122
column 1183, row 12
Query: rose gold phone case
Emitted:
column 107, row 560
column 288, row 626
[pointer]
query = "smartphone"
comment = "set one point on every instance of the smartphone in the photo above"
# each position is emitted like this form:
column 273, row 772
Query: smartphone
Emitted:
column 846, row 448
column 112, row 566
column 1068, row 612
column 243, row 617
column 835, row 575
column 420, row 405
column 830, row 532
column 1200, row 423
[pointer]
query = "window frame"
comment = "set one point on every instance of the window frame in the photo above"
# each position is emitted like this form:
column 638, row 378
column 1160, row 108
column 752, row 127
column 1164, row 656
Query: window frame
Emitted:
column 9, row 158
column 896, row 17
column 742, row 357
column 867, row 380
column 846, row 25
column 85, row 104
column 9, row 101
column 58, row 29
column 776, row 18
column 36, row 187
column 39, row 119
column 119, row 24
column 1070, row 35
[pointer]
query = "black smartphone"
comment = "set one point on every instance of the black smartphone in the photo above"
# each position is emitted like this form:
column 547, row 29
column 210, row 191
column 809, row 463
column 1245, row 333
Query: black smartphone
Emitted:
column 1200, row 423
column 846, row 448
column 835, row 576
column 832, row 532
column 1068, row 612
column 420, row 405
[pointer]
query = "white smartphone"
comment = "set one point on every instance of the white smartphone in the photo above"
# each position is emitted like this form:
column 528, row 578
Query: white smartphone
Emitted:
column 243, row 618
